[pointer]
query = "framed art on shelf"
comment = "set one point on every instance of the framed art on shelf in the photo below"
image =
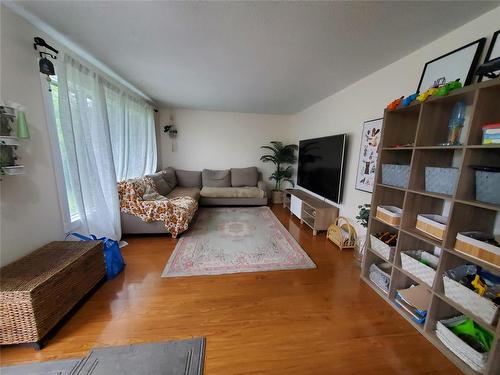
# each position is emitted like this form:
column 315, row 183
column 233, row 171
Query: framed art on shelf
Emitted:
column 368, row 155
column 493, row 51
column 458, row 64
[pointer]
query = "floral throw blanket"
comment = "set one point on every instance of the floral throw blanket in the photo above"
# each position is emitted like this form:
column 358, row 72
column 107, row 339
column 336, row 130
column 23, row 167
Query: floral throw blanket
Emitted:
column 176, row 213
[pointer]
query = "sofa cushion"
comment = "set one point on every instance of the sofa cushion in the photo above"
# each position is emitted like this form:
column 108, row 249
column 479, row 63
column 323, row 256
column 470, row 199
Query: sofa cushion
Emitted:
column 159, row 183
column 168, row 175
column 188, row 178
column 178, row 191
column 244, row 176
column 216, row 178
column 231, row 192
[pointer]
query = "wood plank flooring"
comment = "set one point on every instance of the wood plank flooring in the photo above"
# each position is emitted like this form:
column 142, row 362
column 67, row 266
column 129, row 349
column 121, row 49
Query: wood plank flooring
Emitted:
column 320, row 321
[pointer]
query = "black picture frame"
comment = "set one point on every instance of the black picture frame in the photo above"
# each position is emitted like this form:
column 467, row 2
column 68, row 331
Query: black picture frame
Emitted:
column 472, row 67
column 491, row 47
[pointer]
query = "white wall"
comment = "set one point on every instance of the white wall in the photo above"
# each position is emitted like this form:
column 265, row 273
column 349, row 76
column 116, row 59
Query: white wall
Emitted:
column 345, row 111
column 29, row 206
column 220, row 140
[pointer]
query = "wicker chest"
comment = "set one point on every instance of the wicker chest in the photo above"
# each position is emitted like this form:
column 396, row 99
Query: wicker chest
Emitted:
column 38, row 290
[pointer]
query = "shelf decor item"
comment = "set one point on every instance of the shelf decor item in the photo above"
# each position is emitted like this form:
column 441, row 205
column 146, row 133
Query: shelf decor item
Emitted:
column 493, row 53
column 455, row 125
column 282, row 156
column 396, row 175
column 389, row 214
column 368, row 155
column 22, row 127
column 478, row 245
column 420, row 264
column 491, row 134
column 342, row 234
column 440, row 180
column 458, row 64
column 431, row 224
column 476, row 360
column 487, row 184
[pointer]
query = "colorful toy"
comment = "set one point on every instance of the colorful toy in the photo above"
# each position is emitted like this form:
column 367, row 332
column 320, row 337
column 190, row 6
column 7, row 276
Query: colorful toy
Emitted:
column 423, row 96
column 450, row 86
column 395, row 103
column 407, row 101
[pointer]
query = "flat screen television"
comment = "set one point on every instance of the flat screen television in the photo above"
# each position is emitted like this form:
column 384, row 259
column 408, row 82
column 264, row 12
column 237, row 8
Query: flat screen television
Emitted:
column 321, row 166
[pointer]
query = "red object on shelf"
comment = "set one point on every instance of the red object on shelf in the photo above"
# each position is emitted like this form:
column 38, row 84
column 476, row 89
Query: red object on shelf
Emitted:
column 492, row 126
column 395, row 104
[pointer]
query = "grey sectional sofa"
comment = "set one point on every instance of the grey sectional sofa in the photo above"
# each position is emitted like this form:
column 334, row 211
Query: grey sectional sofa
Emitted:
column 229, row 187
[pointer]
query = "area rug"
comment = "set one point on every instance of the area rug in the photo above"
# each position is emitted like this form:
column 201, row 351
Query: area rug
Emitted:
column 232, row 240
column 181, row 357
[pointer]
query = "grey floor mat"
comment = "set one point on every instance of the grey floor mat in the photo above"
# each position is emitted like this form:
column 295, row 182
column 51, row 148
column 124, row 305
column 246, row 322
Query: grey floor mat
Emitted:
column 42, row 368
column 183, row 357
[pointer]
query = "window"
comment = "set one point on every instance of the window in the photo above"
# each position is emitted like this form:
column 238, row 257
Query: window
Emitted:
column 67, row 196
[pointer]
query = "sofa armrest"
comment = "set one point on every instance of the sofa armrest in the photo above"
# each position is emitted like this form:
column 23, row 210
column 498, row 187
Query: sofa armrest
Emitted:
column 262, row 186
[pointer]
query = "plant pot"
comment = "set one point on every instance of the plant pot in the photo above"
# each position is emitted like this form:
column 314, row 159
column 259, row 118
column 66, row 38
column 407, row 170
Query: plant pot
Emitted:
column 276, row 197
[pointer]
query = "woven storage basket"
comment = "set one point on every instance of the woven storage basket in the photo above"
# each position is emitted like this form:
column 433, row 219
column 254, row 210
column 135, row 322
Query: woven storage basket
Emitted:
column 478, row 249
column 381, row 248
column 470, row 300
column 410, row 261
column 477, row 361
column 379, row 277
column 37, row 290
column 389, row 214
column 440, row 180
column 396, row 175
column 433, row 225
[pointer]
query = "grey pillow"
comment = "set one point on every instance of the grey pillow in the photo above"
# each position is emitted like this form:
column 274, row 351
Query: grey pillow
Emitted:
column 244, row 176
column 188, row 178
column 169, row 177
column 216, row 178
column 160, row 184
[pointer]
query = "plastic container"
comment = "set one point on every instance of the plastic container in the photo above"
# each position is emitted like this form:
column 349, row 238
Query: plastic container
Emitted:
column 456, row 124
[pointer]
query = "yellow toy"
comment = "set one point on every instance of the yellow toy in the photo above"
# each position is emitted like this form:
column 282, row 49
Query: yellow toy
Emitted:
column 423, row 96
column 342, row 234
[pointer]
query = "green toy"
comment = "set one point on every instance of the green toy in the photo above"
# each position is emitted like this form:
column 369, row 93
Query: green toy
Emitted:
column 474, row 335
column 450, row 86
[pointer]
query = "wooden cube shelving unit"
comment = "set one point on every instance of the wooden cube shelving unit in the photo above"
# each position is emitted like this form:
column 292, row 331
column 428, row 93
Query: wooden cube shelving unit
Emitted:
column 418, row 130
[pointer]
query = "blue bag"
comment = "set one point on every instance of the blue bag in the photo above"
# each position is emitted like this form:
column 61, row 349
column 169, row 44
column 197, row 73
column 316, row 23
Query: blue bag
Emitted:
column 112, row 254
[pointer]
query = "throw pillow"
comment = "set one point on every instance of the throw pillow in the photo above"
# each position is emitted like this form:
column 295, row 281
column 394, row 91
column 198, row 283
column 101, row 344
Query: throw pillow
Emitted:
column 159, row 183
column 244, row 177
column 188, row 178
column 168, row 175
column 216, row 178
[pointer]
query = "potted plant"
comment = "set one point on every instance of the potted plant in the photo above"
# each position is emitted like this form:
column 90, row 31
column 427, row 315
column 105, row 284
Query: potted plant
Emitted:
column 282, row 156
column 362, row 219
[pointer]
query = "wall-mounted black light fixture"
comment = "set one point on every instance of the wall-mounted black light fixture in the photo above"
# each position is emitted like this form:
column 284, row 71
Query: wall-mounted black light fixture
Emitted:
column 46, row 66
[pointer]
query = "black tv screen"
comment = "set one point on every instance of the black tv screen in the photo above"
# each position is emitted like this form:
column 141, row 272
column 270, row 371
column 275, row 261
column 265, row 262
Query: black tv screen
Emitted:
column 321, row 166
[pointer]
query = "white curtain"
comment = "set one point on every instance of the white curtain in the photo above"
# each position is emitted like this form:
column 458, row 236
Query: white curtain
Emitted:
column 108, row 136
column 132, row 128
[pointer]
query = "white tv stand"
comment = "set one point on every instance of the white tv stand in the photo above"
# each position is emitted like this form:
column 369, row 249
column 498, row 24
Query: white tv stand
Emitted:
column 312, row 211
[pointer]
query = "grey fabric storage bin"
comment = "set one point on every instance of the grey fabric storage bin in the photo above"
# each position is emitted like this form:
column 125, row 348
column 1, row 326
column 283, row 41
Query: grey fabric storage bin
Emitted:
column 396, row 175
column 488, row 185
column 440, row 180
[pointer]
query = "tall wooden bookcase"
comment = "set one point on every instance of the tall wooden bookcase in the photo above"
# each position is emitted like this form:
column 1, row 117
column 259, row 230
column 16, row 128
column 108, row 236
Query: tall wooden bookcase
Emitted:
column 424, row 126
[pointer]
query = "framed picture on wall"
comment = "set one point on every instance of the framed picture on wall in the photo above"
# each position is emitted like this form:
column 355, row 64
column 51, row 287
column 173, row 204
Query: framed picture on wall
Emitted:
column 493, row 51
column 458, row 64
column 368, row 155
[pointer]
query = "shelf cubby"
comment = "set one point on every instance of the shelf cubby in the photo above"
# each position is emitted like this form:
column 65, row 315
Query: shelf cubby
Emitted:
column 485, row 157
column 400, row 127
column 438, row 157
column 433, row 122
column 425, row 126
column 488, row 111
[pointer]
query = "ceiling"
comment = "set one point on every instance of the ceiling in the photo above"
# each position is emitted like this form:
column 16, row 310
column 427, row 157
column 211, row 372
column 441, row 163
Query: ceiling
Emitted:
column 257, row 57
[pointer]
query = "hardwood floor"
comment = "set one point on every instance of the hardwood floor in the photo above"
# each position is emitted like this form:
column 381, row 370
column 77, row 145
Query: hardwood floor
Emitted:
column 320, row 321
